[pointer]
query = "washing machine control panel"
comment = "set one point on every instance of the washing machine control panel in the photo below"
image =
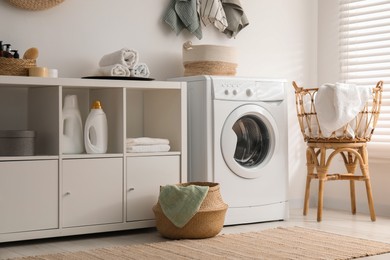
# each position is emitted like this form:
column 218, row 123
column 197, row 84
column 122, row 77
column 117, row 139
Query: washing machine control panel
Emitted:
column 248, row 90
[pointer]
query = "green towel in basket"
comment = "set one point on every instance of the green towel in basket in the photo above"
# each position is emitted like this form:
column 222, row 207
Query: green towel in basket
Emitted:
column 180, row 204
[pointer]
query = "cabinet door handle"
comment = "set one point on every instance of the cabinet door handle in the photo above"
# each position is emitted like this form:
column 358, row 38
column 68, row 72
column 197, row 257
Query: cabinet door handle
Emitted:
column 67, row 193
column 130, row 189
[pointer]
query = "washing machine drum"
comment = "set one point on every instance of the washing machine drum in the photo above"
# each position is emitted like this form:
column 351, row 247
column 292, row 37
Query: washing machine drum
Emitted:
column 248, row 140
column 253, row 141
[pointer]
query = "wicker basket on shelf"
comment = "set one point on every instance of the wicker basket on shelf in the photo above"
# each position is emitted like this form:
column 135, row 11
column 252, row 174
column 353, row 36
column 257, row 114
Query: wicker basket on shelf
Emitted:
column 15, row 67
column 35, row 5
column 207, row 222
column 363, row 124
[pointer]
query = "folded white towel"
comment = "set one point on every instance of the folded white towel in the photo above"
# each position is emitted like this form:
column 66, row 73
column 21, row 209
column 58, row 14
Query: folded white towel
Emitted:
column 337, row 104
column 140, row 70
column 114, row 70
column 126, row 57
column 148, row 148
column 211, row 12
column 145, row 141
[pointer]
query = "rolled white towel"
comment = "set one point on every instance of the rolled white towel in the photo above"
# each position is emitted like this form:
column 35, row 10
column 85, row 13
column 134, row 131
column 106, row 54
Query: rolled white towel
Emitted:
column 140, row 70
column 115, row 70
column 145, row 141
column 126, row 57
column 148, row 148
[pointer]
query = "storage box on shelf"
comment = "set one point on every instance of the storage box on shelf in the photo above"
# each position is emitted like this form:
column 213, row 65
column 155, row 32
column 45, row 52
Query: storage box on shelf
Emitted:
column 55, row 194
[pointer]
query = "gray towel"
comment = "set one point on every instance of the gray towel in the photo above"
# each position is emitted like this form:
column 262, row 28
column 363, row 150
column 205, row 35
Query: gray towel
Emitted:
column 235, row 16
column 182, row 14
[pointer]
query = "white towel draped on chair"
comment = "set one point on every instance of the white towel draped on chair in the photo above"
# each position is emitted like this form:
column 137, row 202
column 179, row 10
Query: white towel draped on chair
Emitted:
column 337, row 104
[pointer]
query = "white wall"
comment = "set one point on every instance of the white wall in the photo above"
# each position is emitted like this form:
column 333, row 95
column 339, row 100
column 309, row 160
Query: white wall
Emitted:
column 337, row 193
column 280, row 42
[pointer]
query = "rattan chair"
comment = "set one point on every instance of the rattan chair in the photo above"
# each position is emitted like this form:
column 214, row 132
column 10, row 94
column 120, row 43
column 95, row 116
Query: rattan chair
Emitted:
column 322, row 150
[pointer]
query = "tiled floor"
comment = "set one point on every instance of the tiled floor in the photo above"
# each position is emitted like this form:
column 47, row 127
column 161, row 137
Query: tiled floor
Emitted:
column 333, row 221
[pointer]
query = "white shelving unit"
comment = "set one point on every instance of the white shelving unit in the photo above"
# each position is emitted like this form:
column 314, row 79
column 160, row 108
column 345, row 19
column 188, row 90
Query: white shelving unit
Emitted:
column 53, row 194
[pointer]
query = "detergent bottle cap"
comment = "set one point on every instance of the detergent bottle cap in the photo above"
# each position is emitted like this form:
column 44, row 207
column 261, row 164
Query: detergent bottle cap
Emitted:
column 96, row 105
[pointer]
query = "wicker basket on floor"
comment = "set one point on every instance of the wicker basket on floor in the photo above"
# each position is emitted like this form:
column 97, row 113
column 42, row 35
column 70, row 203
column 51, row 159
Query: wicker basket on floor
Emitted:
column 207, row 222
column 15, row 67
column 363, row 124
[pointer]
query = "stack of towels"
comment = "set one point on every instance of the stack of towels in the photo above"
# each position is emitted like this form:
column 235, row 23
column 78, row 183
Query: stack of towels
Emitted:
column 123, row 62
column 147, row 144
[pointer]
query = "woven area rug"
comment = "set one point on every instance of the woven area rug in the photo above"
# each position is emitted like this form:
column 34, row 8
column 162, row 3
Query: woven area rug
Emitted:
column 277, row 243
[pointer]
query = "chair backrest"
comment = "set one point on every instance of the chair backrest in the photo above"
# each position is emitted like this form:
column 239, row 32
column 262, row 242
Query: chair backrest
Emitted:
column 360, row 129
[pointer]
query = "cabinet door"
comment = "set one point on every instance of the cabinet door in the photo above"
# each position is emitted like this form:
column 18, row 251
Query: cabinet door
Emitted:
column 28, row 195
column 92, row 191
column 145, row 175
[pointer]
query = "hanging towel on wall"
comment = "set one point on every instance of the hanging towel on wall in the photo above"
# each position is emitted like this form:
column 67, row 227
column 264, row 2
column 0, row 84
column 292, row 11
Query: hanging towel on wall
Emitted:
column 337, row 104
column 211, row 12
column 182, row 14
column 180, row 204
column 114, row 70
column 126, row 57
column 140, row 70
column 235, row 16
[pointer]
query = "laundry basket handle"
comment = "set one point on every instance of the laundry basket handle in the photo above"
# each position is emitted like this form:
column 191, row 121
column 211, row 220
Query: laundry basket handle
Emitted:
column 297, row 88
column 379, row 85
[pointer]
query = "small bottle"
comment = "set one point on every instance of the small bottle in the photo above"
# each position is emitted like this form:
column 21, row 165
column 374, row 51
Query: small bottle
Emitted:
column 72, row 135
column 1, row 48
column 95, row 131
column 7, row 52
column 15, row 54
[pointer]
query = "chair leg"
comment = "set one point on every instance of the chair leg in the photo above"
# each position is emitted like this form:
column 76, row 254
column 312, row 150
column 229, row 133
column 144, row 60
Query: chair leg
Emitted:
column 353, row 196
column 310, row 162
column 322, row 171
column 351, row 164
column 366, row 174
column 307, row 195
column 370, row 199
column 320, row 199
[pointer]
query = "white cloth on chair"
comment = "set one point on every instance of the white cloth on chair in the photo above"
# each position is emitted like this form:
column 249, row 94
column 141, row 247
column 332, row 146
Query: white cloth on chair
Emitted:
column 337, row 104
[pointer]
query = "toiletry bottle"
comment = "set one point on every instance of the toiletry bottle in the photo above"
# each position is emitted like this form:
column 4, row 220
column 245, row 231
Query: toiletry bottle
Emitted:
column 95, row 132
column 7, row 52
column 1, row 48
column 15, row 54
column 72, row 134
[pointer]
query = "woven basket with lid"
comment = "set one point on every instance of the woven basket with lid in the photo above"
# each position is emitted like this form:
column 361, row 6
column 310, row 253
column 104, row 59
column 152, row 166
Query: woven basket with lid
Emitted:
column 207, row 222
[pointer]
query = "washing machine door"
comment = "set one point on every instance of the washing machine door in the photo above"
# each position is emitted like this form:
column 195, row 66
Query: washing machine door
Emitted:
column 248, row 140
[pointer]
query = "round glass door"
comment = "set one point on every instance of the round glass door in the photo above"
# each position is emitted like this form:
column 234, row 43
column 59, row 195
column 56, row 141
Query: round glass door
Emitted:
column 248, row 140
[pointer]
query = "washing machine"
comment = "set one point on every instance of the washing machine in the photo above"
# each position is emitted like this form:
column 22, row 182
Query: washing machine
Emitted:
column 237, row 137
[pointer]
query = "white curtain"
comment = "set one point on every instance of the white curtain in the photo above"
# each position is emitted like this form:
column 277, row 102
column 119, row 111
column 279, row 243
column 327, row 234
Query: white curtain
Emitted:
column 365, row 58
